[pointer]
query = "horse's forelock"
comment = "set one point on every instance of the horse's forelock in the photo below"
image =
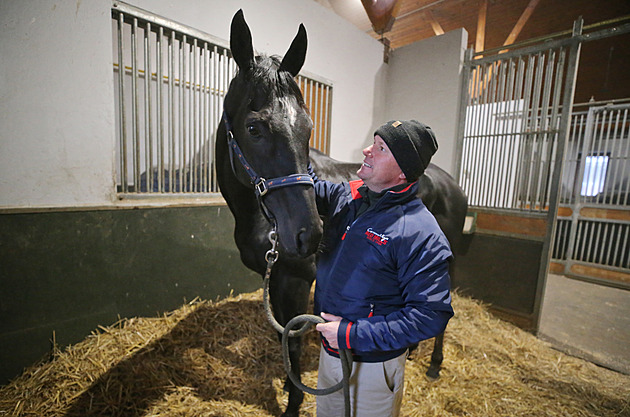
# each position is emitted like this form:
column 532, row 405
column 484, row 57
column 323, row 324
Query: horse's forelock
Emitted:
column 265, row 75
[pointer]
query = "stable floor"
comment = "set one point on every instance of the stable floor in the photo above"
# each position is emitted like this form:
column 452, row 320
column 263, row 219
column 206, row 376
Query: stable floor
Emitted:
column 587, row 320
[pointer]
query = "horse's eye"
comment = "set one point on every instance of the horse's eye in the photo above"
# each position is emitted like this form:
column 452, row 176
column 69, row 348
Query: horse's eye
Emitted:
column 253, row 131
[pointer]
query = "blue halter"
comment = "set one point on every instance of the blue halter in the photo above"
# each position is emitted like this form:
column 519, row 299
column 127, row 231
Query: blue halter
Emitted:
column 261, row 185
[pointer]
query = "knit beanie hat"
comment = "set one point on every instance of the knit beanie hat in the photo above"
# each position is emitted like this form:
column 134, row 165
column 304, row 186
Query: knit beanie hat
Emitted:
column 412, row 143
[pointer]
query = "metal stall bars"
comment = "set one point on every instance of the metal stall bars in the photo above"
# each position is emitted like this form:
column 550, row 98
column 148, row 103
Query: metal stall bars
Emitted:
column 593, row 227
column 318, row 98
column 515, row 108
column 170, row 81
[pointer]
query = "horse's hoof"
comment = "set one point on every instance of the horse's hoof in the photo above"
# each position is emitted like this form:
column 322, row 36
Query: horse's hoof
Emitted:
column 433, row 374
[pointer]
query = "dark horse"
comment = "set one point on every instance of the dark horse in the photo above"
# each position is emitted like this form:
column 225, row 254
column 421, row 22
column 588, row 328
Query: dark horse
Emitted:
column 266, row 114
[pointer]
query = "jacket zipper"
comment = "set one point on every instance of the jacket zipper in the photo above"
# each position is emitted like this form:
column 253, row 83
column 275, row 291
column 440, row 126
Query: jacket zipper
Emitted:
column 371, row 310
column 345, row 233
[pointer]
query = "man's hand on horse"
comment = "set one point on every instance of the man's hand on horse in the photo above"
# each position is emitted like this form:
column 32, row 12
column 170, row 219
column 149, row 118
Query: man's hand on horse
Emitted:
column 329, row 329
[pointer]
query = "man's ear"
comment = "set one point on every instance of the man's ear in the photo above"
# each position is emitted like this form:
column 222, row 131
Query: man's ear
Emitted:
column 402, row 176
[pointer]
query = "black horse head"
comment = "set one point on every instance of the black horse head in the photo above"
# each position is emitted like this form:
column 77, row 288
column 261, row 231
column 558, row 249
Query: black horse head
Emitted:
column 272, row 126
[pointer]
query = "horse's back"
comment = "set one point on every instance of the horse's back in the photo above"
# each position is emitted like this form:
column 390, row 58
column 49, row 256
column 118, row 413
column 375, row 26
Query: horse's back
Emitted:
column 446, row 200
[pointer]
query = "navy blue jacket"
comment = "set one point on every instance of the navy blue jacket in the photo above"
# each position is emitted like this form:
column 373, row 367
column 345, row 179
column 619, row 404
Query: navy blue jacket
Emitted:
column 385, row 272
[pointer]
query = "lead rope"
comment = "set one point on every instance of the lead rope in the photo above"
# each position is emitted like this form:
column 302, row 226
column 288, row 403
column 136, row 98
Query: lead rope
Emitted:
column 308, row 321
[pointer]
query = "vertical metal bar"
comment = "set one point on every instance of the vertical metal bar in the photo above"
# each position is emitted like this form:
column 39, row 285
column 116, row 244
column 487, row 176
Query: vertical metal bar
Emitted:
column 188, row 173
column 625, row 251
column 592, row 230
column 464, row 103
column 603, row 150
column 558, row 78
column 311, row 99
column 327, row 124
column 506, row 137
column 596, row 238
column 514, row 96
column 597, row 138
column 625, row 138
column 492, row 134
column 182, row 105
column 567, row 106
column 527, row 147
column 615, row 158
column 478, row 148
column 194, row 113
column 121, row 106
column 160, row 108
column 472, row 120
column 318, row 104
column 605, row 244
column 479, row 156
column 534, row 178
column 204, row 119
column 517, row 133
column 216, row 105
column 171, row 113
column 617, row 244
column 148, row 129
column 500, row 122
column 548, row 134
column 134, row 100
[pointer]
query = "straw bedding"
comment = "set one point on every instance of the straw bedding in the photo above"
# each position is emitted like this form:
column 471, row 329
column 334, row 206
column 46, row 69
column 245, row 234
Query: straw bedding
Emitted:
column 223, row 359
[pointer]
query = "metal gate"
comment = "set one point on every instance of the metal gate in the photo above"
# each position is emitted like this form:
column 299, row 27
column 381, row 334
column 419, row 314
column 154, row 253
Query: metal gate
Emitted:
column 526, row 161
column 593, row 227
column 514, row 120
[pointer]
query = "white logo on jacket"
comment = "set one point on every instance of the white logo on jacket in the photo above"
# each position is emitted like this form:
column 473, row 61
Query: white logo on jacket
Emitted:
column 379, row 238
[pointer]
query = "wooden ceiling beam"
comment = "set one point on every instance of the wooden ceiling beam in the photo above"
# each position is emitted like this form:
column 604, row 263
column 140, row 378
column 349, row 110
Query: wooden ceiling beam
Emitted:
column 480, row 39
column 381, row 13
column 437, row 29
column 527, row 13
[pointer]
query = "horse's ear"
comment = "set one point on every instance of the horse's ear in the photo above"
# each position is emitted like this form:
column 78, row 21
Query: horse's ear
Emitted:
column 295, row 56
column 241, row 42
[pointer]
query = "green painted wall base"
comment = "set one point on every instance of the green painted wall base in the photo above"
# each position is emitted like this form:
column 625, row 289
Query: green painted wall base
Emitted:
column 67, row 272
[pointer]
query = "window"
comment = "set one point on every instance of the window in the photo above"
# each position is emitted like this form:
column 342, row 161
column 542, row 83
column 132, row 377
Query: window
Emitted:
column 170, row 81
column 595, row 167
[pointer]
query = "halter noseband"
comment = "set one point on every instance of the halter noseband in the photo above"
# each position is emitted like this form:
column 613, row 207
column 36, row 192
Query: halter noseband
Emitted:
column 261, row 185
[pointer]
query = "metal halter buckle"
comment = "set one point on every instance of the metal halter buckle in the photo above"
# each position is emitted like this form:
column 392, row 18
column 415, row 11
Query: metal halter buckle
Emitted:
column 261, row 187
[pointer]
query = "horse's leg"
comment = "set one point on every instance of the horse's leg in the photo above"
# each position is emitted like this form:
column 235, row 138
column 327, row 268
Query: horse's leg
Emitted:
column 289, row 294
column 436, row 358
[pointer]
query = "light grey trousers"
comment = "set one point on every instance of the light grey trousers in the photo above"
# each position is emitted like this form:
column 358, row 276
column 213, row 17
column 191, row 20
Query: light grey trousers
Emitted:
column 376, row 389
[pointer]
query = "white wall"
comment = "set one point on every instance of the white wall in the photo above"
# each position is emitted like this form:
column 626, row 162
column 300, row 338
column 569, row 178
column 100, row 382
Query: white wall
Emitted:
column 423, row 83
column 56, row 86
column 56, row 103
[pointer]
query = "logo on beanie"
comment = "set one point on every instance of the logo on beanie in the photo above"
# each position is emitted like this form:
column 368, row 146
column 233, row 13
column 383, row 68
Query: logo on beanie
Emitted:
column 396, row 123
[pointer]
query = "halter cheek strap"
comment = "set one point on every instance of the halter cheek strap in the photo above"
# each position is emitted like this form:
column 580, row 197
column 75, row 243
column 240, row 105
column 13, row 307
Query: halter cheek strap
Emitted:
column 261, row 185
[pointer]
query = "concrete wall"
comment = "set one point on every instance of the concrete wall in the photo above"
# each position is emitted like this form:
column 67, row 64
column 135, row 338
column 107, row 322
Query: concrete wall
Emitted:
column 56, row 104
column 69, row 271
column 423, row 83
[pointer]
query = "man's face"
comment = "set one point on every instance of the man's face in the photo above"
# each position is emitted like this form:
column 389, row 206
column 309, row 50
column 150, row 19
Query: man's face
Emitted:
column 380, row 170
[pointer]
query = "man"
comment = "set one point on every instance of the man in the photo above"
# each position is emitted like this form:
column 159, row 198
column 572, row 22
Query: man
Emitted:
column 382, row 276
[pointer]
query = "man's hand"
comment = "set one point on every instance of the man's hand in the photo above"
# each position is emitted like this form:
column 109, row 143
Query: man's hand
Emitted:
column 329, row 330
